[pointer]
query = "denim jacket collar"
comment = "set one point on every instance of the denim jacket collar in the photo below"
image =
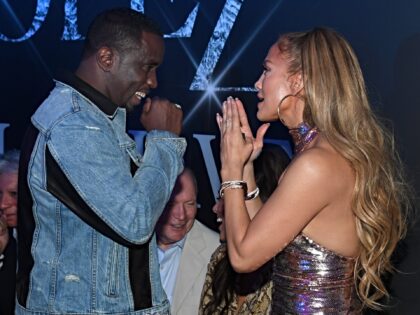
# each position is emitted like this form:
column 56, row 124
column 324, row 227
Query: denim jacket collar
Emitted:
column 96, row 97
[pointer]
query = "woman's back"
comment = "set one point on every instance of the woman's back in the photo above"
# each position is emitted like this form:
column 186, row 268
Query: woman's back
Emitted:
column 334, row 225
column 314, row 197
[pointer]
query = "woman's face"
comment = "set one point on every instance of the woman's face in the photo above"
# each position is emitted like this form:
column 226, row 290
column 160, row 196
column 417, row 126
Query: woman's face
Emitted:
column 273, row 85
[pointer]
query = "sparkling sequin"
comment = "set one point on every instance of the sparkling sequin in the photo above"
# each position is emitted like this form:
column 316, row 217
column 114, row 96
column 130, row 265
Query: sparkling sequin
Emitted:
column 310, row 279
column 302, row 135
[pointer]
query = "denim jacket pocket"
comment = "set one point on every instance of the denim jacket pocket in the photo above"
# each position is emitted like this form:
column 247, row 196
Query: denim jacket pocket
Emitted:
column 133, row 154
column 112, row 271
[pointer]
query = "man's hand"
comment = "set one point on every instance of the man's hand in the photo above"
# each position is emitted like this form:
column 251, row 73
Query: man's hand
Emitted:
column 161, row 114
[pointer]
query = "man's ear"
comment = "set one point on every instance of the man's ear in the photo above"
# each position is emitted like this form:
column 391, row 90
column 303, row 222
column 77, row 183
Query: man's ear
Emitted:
column 106, row 58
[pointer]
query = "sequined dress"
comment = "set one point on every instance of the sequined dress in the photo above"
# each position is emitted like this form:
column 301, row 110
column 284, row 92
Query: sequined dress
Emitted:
column 310, row 279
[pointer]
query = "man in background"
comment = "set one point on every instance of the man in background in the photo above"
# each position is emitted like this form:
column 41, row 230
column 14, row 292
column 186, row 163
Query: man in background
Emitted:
column 9, row 165
column 184, row 247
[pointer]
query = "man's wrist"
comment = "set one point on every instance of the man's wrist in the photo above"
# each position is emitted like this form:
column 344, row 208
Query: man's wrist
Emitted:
column 158, row 133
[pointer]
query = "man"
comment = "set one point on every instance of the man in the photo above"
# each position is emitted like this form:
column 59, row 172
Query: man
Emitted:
column 88, row 204
column 9, row 164
column 184, row 247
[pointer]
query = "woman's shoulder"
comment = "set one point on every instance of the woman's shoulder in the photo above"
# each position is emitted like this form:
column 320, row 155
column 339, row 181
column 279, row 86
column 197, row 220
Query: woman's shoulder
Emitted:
column 314, row 161
column 322, row 159
column 319, row 167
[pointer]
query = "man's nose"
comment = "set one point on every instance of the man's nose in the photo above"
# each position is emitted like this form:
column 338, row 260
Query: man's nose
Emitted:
column 4, row 201
column 152, row 79
column 179, row 211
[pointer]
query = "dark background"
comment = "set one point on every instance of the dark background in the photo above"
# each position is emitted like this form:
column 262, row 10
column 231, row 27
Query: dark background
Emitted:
column 385, row 35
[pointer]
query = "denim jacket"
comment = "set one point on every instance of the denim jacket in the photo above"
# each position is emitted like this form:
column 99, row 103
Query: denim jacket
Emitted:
column 88, row 204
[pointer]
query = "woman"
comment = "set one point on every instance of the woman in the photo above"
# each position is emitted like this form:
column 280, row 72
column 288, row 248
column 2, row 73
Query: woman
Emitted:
column 337, row 214
column 225, row 291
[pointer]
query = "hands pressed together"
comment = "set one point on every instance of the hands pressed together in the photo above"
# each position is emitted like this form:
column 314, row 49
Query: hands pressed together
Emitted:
column 238, row 147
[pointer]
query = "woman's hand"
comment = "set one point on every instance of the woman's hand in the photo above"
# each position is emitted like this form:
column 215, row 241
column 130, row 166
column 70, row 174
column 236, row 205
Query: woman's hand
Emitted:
column 257, row 142
column 235, row 146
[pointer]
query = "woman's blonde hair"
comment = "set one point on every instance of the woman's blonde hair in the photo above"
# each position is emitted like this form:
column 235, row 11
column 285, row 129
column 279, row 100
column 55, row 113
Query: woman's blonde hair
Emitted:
column 336, row 102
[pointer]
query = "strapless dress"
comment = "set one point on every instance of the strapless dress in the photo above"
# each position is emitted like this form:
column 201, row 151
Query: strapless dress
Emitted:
column 310, row 279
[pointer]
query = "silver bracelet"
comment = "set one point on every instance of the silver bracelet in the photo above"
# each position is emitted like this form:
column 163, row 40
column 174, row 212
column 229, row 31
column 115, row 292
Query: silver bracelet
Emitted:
column 253, row 194
column 233, row 184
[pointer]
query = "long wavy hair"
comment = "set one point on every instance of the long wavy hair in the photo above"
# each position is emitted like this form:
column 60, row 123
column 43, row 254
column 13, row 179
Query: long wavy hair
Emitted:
column 336, row 102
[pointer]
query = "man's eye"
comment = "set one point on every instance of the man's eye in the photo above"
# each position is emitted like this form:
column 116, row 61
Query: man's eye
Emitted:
column 148, row 68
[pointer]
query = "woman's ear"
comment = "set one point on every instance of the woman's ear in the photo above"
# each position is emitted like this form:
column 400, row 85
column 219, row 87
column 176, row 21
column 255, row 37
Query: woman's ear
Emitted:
column 297, row 83
column 106, row 58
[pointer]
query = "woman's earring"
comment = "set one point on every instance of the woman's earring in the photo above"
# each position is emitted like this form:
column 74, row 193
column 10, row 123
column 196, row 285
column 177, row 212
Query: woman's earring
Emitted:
column 278, row 108
column 281, row 102
column 278, row 114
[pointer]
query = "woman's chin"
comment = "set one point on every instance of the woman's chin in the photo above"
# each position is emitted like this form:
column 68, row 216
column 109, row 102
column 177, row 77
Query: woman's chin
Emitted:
column 264, row 118
column 260, row 116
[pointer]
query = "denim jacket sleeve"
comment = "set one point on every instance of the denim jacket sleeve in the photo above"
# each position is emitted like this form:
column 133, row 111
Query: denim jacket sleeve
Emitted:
column 98, row 168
